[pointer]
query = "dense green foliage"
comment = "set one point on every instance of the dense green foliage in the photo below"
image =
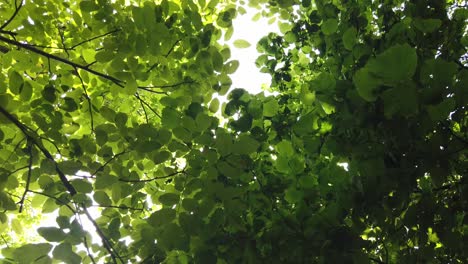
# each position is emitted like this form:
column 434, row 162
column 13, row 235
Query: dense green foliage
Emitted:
column 108, row 105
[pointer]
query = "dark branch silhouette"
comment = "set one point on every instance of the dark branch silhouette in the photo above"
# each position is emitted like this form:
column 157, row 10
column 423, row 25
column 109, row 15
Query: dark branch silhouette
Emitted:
column 145, row 103
column 153, row 179
column 93, row 38
column 15, row 13
column 28, row 179
column 32, row 139
column 57, row 58
column 49, row 56
column 93, row 175
column 88, row 99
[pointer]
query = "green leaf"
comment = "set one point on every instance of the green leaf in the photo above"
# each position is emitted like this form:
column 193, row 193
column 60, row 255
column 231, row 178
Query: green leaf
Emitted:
column 170, row 118
column 366, row 84
column 121, row 119
column 349, row 38
column 161, row 156
column 48, row 93
column 245, row 145
column 189, row 204
column 6, row 202
column 131, row 87
column 394, row 65
column 104, row 56
column 69, row 104
column 402, row 99
column 231, row 66
column 308, row 181
column 169, row 199
column 427, row 25
column 442, row 110
column 241, row 44
column 88, row 6
column 65, row 253
column 228, row 170
column 270, row 108
column 15, row 82
column 292, row 195
column 102, row 198
column 329, row 26
column 162, row 216
column 26, row 92
column 223, row 143
column 203, row 121
column 214, row 105
column 52, row 234
column 285, row 27
column 82, row 186
column 182, row 133
column 285, row 148
column 29, row 253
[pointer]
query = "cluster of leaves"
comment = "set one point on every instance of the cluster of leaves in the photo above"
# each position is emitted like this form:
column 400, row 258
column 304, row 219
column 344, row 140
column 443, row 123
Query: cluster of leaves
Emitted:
column 380, row 87
column 360, row 158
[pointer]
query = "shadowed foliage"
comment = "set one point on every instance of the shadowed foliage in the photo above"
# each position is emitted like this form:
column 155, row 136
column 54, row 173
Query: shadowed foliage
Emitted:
column 115, row 149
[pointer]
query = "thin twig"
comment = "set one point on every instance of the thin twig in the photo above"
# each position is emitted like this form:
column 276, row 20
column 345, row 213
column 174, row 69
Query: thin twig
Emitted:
column 145, row 103
column 172, row 48
column 105, row 241
column 5, row 241
column 30, row 135
column 93, row 175
column 62, row 40
column 165, row 55
column 85, row 242
column 28, row 179
column 167, row 85
column 93, row 38
column 155, row 178
column 17, row 9
column 148, row 89
column 88, row 99
column 16, row 170
column 144, row 111
column 56, row 199
column 118, row 207
column 12, row 34
column 116, row 81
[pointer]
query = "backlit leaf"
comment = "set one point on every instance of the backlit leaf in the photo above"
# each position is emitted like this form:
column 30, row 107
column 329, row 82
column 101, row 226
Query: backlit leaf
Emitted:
column 241, row 44
column 52, row 234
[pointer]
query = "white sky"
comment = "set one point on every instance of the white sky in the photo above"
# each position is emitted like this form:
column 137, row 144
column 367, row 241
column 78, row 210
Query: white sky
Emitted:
column 248, row 76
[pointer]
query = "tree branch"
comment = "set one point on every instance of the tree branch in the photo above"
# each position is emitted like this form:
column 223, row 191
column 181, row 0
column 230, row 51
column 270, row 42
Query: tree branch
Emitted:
column 167, row 85
column 118, row 207
column 85, row 242
column 17, row 9
column 93, row 175
column 93, row 38
column 148, row 89
column 145, row 103
column 56, row 199
column 144, row 111
column 28, row 179
column 18, row 169
column 105, row 241
column 152, row 179
column 30, row 135
column 88, row 99
column 54, row 57
column 75, row 66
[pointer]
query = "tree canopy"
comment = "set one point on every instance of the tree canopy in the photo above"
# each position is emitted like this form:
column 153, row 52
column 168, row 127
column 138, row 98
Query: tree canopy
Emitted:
column 112, row 107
